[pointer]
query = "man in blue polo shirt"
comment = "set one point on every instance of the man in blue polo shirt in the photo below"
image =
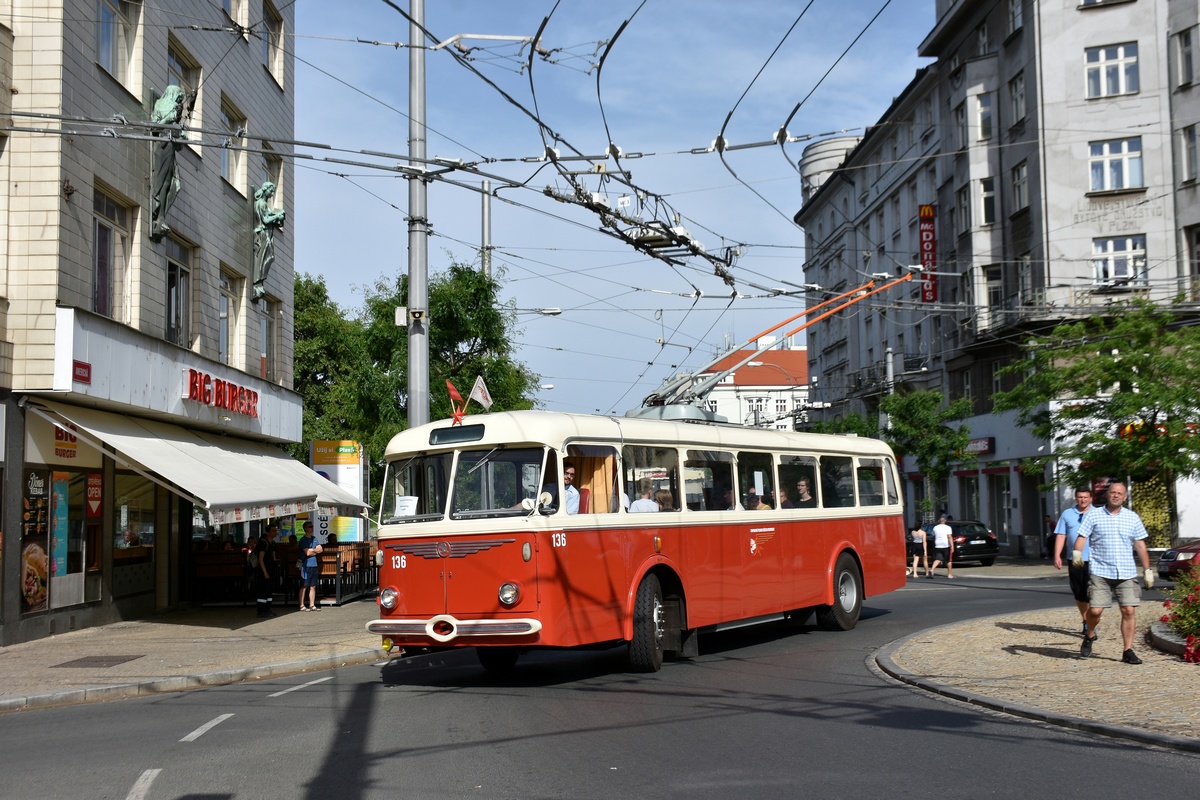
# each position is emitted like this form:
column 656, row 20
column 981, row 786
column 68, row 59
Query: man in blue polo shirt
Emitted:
column 1113, row 534
column 1065, row 534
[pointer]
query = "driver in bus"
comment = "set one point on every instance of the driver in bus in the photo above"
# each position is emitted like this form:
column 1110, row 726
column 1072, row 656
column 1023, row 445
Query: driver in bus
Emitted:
column 572, row 493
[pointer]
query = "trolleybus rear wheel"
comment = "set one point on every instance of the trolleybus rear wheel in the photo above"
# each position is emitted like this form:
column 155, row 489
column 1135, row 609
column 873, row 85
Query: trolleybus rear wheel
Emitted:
column 649, row 622
column 847, row 597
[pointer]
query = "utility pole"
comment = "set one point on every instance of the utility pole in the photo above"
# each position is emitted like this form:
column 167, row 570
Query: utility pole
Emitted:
column 889, row 387
column 485, row 239
column 418, row 227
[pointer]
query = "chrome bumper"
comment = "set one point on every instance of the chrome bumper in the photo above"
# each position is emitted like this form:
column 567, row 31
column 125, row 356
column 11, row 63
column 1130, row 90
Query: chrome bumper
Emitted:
column 445, row 628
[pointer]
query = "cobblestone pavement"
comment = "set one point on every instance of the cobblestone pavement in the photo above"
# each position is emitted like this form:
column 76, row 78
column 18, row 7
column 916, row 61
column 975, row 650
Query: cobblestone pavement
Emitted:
column 1029, row 664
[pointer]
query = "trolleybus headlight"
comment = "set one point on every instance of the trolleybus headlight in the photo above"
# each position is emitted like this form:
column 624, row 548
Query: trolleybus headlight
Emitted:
column 388, row 598
column 510, row 594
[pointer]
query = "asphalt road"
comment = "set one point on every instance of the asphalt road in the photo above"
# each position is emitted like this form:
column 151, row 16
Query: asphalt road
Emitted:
column 783, row 711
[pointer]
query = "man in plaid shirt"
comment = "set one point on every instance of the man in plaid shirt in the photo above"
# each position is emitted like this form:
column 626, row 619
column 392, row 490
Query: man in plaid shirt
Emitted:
column 1113, row 533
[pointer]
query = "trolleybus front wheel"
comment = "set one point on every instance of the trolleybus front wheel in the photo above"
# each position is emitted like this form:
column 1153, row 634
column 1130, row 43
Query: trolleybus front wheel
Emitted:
column 497, row 660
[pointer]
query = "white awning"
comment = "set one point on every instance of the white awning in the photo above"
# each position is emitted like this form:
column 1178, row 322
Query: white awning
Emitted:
column 235, row 479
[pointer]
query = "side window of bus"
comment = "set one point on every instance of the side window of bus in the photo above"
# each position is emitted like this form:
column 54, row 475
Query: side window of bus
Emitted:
column 708, row 478
column 870, row 482
column 659, row 466
column 756, row 477
column 595, row 477
column 798, row 482
column 889, row 480
column 837, row 481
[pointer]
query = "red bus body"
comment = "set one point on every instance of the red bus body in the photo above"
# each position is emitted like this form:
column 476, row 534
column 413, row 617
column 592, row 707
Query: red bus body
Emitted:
column 577, row 576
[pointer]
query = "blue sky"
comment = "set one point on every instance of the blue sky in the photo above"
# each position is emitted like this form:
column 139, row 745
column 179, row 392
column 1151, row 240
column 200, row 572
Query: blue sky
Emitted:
column 667, row 87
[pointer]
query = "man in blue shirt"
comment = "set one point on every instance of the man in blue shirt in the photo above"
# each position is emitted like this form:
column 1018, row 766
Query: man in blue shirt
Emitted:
column 1113, row 534
column 1065, row 534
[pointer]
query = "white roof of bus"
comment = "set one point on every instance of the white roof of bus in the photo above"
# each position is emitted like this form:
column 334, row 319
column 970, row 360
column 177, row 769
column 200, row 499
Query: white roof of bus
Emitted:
column 555, row 428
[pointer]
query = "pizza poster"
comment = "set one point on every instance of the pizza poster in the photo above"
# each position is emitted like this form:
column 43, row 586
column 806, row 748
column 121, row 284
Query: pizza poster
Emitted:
column 35, row 541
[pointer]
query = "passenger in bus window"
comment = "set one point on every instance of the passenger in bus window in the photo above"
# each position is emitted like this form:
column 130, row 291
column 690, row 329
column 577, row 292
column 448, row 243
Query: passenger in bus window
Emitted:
column 664, row 500
column 804, row 496
column 784, row 502
column 730, row 503
column 768, row 501
column 645, row 501
column 753, row 501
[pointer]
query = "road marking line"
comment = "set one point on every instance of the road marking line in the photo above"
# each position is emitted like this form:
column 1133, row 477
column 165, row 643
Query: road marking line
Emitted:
column 205, row 728
column 301, row 686
column 142, row 785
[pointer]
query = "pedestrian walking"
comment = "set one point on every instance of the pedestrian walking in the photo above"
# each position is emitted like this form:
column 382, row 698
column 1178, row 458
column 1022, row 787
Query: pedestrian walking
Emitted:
column 1066, row 531
column 916, row 549
column 265, row 550
column 1114, row 533
column 943, row 548
column 309, row 569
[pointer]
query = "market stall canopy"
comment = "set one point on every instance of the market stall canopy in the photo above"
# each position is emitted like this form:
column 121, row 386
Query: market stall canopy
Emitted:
column 234, row 479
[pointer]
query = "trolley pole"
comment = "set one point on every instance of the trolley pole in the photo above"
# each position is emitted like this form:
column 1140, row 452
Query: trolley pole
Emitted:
column 418, row 227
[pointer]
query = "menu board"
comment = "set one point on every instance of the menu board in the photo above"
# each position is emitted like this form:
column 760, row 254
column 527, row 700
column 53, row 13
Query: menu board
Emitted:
column 35, row 541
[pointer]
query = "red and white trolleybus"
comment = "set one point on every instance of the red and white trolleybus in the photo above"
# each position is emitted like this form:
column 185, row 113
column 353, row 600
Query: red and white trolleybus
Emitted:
column 524, row 529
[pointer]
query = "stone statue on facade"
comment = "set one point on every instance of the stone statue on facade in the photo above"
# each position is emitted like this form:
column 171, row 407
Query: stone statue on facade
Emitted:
column 167, row 111
column 269, row 220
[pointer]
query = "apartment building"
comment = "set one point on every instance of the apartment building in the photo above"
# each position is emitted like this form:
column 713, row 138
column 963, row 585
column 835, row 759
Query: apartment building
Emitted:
column 145, row 332
column 1041, row 169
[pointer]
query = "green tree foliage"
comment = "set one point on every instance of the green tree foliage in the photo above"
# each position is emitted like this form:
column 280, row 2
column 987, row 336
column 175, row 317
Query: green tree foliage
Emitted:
column 328, row 358
column 1116, row 395
column 922, row 425
column 857, row 424
column 353, row 371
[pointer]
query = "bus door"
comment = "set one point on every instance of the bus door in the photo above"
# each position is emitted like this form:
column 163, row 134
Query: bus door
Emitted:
column 765, row 545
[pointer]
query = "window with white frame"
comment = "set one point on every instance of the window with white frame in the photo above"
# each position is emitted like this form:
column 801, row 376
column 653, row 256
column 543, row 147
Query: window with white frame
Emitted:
column 183, row 71
column 1112, row 70
column 267, row 343
column 272, row 170
column 1016, row 97
column 1025, row 278
column 1191, row 169
column 983, row 44
column 1015, row 15
column 115, row 28
column 987, row 201
column 228, row 292
column 781, row 405
column 994, row 278
column 179, row 295
column 1183, row 52
column 1192, row 238
column 986, row 116
column 272, row 41
column 110, row 252
column 963, row 203
column 1119, row 260
column 712, row 406
column 233, row 159
column 1116, row 164
column 236, row 11
column 960, row 126
column 1020, row 186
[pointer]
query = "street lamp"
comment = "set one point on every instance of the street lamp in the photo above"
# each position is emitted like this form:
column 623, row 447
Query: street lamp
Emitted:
column 545, row 312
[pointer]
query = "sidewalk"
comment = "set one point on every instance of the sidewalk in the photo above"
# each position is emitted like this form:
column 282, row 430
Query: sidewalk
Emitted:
column 1028, row 664
column 184, row 650
column 1025, row 664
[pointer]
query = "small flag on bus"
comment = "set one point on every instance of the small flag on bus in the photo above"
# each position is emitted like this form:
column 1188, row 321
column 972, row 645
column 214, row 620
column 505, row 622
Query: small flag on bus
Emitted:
column 480, row 393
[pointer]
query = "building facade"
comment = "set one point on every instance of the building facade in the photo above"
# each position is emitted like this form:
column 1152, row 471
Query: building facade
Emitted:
column 769, row 391
column 1040, row 170
column 146, row 318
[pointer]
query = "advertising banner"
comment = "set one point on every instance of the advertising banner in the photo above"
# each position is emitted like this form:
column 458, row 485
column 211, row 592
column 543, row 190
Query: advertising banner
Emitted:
column 927, row 231
column 35, row 541
column 341, row 463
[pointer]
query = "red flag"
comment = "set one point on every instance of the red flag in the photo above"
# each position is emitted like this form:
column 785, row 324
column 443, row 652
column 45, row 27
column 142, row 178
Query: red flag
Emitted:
column 454, row 395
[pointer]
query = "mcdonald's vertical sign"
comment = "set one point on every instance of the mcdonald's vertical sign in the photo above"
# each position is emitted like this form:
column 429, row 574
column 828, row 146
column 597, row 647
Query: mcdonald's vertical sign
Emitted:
column 927, row 231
